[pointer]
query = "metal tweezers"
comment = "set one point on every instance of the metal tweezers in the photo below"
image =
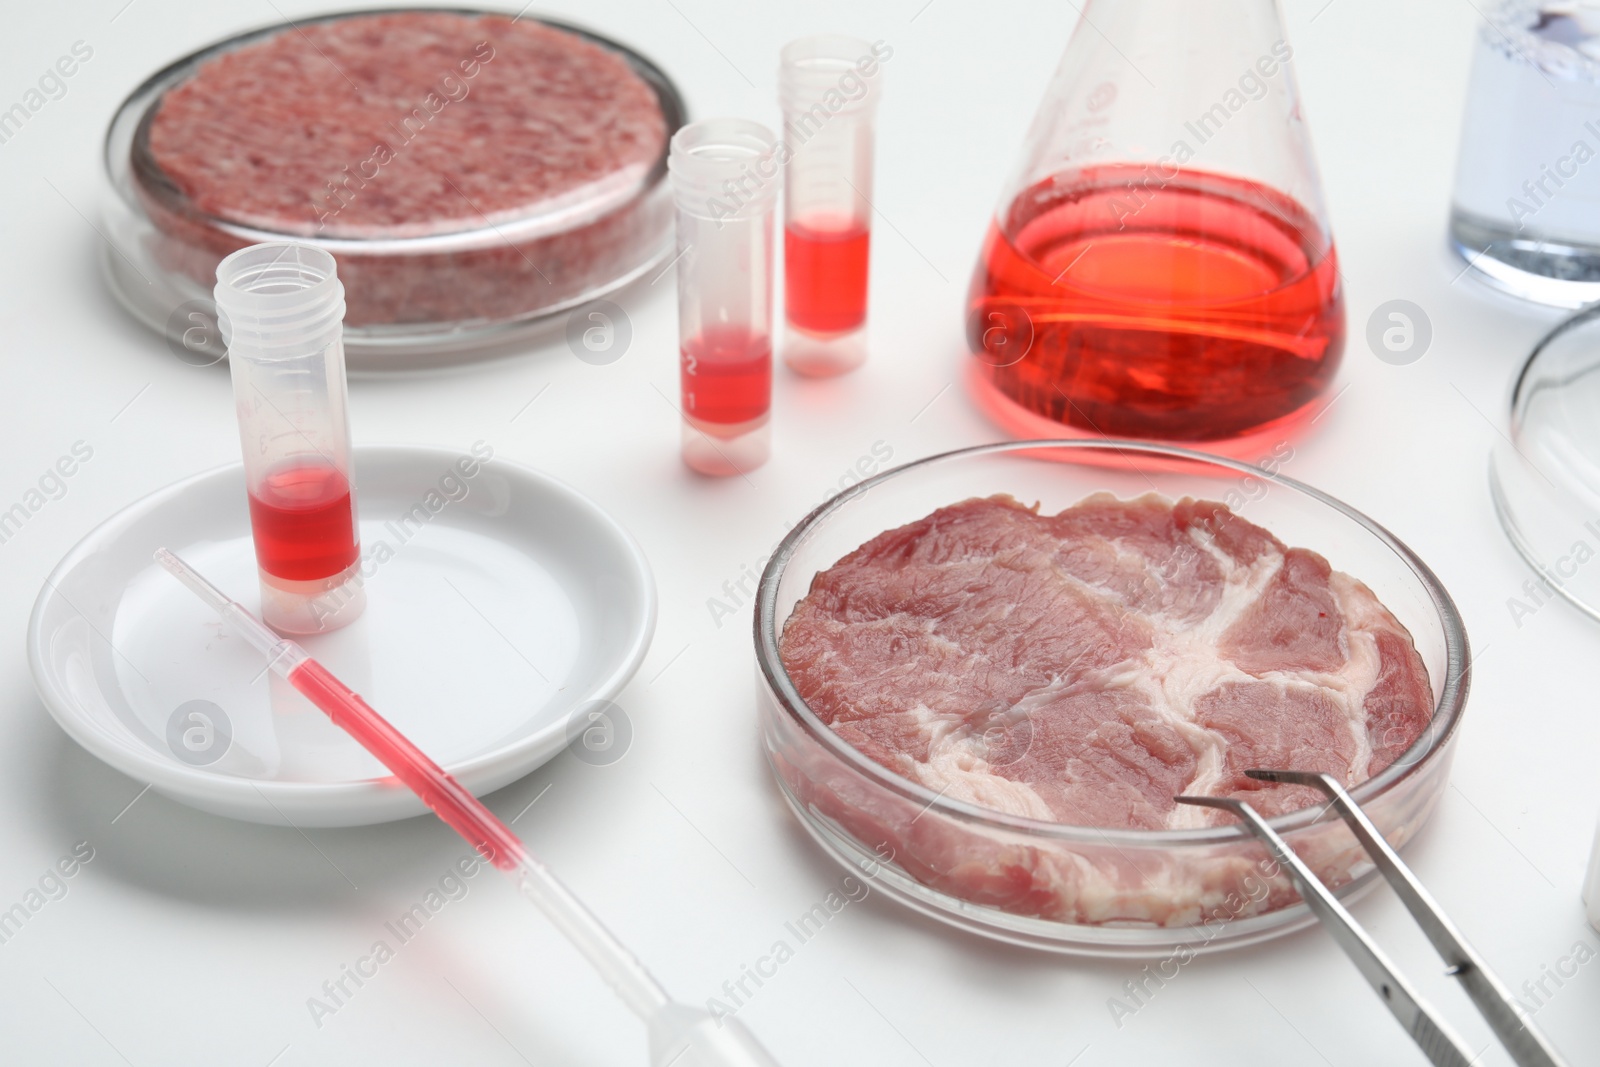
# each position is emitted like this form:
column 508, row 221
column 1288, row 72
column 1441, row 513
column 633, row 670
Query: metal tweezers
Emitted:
column 1508, row 1019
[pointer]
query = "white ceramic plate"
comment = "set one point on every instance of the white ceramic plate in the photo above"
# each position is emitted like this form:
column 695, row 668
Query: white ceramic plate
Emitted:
column 498, row 614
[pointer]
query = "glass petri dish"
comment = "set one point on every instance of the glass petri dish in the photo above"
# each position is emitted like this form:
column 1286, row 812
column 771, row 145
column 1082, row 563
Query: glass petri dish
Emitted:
column 1544, row 474
column 425, row 285
column 1217, row 888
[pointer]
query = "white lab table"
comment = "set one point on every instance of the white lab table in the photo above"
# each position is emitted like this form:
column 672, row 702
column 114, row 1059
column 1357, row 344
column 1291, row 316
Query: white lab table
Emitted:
column 190, row 939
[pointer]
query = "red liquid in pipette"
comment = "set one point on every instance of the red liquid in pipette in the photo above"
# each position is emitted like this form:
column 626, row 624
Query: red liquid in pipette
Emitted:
column 1194, row 309
column 825, row 274
column 448, row 798
column 303, row 521
column 726, row 375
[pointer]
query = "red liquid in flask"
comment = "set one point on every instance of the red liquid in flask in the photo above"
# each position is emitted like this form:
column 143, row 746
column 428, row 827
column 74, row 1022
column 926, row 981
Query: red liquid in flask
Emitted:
column 825, row 275
column 1195, row 308
column 726, row 375
column 303, row 521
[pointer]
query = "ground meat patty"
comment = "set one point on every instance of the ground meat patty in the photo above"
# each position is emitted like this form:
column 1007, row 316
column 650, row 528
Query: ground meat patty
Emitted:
column 416, row 124
column 399, row 124
column 1086, row 667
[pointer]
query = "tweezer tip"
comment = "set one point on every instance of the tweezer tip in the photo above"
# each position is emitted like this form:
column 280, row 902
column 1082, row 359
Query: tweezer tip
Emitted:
column 1315, row 779
column 1208, row 802
column 1267, row 774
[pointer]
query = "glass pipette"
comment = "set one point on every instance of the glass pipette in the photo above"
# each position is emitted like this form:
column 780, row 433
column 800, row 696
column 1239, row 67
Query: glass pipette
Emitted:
column 680, row 1035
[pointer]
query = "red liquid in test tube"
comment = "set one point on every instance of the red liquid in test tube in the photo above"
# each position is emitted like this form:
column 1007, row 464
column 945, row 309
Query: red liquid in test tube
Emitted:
column 303, row 521
column 827, row 199
column 726, row 376
column 725, row 261
column 825, row 274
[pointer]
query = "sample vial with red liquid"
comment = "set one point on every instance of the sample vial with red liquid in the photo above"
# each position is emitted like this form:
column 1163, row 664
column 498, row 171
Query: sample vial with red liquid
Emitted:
column 828, row 88
column 281, row 308
column 725, row 178
column 1161, row 267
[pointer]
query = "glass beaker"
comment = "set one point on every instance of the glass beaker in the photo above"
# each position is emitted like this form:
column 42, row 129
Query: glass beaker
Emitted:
column 1160, row 265
column 1526, row 210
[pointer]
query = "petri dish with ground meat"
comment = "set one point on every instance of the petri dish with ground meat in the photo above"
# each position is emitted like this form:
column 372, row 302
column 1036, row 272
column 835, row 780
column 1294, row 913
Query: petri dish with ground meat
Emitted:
column 473, row 173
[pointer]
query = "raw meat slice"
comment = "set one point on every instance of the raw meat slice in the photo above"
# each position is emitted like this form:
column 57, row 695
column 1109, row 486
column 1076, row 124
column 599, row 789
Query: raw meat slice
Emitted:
column 1101, row 758
column 1293, row 626
column 1138, row 551
column 1397, row 705
column 1277, row 724
column 1086, row 667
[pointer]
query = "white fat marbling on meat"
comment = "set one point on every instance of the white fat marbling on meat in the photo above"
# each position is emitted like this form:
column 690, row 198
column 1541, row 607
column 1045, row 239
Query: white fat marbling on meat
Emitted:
column 956, row 769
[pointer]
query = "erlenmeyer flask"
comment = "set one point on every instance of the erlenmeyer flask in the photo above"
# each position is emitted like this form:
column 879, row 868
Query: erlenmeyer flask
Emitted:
column 1160, row 265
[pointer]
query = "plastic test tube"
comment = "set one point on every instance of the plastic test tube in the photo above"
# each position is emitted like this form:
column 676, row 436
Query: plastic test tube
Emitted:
column 281, row 308
column 725, row 177
column 828, row 87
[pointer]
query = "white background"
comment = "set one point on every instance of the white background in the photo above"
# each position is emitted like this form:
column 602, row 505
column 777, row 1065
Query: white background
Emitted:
column 194, row 940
